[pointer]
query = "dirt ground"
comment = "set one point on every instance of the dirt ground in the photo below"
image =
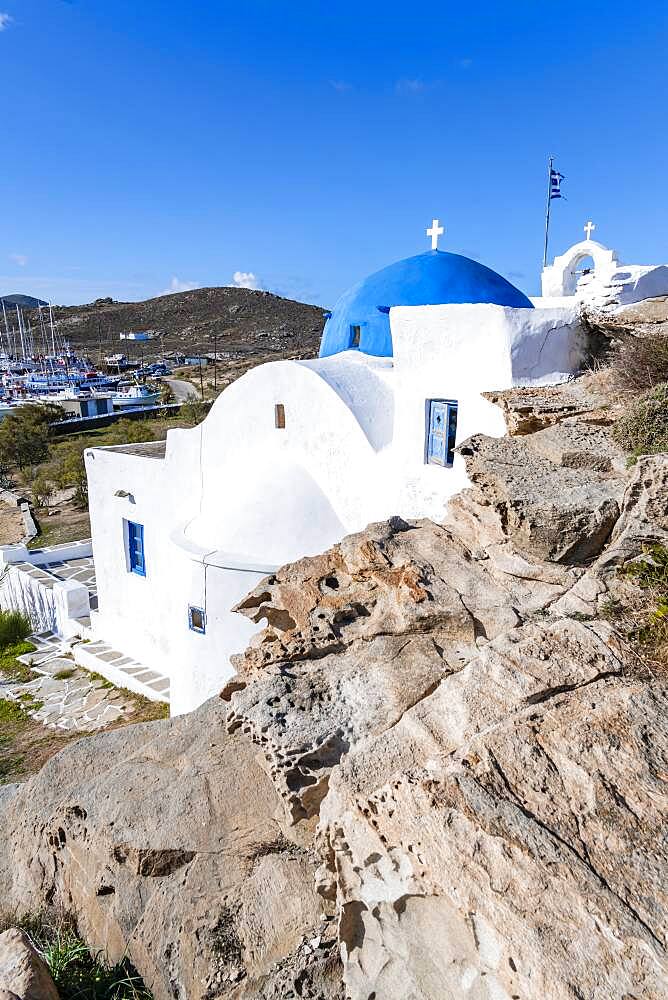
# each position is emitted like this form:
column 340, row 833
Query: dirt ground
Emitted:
column 11, row 524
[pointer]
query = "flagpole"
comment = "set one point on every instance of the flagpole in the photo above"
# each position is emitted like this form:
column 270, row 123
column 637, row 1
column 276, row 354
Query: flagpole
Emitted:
column 547, row 207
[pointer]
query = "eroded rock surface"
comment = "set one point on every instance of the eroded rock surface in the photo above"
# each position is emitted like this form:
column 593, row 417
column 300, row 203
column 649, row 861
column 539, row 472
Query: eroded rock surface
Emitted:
column 439, row 774
column 23, row 972
column 165, row 840
column 530, row 409
column 547, row 510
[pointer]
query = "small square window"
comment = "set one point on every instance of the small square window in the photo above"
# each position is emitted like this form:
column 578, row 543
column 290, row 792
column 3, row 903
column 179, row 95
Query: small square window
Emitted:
column 279, row 416
column 197, row 619
column 355, row 336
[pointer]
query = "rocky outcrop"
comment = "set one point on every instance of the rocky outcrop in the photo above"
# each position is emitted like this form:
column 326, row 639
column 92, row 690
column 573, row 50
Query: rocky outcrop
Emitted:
column 547, row 510
column 527, row 410
column 166, row 842
column 439, row 774
column 24, row 974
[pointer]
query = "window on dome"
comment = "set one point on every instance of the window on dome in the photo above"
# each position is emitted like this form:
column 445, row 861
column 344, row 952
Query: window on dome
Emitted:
column 440, row 432
column 355, row 337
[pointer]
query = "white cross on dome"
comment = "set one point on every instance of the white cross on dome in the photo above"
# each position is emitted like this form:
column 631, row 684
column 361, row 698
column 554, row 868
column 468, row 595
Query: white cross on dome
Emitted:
column 435, row 232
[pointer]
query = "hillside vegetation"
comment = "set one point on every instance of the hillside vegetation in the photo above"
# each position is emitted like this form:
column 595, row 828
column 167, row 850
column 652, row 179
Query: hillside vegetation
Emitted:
column 242, row 320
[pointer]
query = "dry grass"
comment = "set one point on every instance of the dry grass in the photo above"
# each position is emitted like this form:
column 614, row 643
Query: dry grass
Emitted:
column 640, row 363
column 640, row 611
column 26, row 745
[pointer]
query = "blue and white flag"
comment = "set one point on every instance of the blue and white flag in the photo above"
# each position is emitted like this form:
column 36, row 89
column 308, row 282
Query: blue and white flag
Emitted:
column 555, row 184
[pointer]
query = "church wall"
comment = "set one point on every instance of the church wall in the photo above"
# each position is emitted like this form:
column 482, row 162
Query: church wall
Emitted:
column 205, row 659
column 279, row 493
column 458, row 352
column 136, row 613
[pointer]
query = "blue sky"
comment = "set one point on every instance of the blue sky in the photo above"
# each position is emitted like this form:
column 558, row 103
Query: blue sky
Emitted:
column 151, row 145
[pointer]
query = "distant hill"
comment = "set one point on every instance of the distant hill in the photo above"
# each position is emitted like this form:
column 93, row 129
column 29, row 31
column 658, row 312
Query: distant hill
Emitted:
column 238, row 321
column 25, row 301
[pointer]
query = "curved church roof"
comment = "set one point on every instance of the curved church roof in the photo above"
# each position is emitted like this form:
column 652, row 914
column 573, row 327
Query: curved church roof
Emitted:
column 360, row 319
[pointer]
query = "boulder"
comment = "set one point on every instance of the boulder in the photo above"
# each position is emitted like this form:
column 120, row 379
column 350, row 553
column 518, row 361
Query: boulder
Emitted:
column 506, row 838
column 644, row 513
column 549, row 512
column 23, row 972
column 166, row 842
column 528, row 409
column 574, row 444
column 360, row 634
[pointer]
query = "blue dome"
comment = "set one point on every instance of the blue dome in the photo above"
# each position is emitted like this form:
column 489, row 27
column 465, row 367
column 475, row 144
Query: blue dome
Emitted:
column 360, row 319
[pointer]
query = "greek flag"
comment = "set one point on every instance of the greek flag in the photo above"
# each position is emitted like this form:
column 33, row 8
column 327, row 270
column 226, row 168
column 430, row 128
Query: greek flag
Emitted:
column 555, row 184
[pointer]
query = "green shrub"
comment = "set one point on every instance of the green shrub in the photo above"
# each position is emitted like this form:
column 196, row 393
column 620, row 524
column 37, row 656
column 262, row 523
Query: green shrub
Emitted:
column 10, row 666
column 194, row 411
column 79, row 975
column 14, row 627
column 650, row 572
column 643, row 430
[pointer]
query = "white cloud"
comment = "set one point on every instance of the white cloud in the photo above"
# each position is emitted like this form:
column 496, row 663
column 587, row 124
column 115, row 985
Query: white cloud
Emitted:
column 246, row 279
column 5, row 21
column 341, row 85
column 19, row 258
column 406, row 86
column 176, row 285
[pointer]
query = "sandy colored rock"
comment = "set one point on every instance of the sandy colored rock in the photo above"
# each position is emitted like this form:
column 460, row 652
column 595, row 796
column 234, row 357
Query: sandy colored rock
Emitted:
column 23, row 972
column 359, row 635
column 575, row 444
column 547, row 511
column 165, row 840
column 644, row 514
column 506, row 838
column 531, row 408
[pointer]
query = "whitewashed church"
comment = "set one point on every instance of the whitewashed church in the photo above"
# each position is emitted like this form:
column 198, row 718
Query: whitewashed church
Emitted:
column 297, row 454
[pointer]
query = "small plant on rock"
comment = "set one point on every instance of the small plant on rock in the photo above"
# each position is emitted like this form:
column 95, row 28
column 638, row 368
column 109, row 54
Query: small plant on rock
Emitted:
column 650, row 573
column 643, row 430
column 640, row 363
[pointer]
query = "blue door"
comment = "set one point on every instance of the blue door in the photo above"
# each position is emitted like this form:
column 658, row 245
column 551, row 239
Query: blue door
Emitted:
column 441, row 432
column 136, row 548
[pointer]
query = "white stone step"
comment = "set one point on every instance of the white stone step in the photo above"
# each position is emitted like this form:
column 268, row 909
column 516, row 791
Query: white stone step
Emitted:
column 122, row 670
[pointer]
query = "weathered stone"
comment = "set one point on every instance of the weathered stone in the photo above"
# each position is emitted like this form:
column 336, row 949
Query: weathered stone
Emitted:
column 380, row 620
column 165, row 840
column 23, row 972
column 549, row 512
column 530, row 409
column 506, row 838
column 644, row 515
column 579, row 445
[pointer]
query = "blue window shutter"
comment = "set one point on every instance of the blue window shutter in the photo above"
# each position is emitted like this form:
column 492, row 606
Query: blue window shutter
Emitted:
column 136, row 548
column 441, row 432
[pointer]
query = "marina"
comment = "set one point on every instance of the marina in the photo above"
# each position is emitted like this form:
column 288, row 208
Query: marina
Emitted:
column 38, row 367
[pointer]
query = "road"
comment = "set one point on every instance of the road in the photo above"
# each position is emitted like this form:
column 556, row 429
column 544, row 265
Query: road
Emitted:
column 182, row 390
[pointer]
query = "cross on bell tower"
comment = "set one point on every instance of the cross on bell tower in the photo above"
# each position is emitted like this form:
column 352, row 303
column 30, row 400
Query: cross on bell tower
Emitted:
column 435, row 232
column 588, row 229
